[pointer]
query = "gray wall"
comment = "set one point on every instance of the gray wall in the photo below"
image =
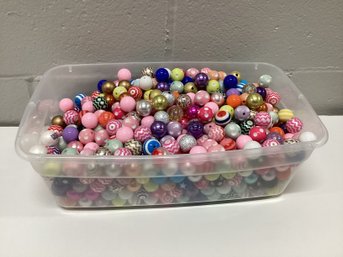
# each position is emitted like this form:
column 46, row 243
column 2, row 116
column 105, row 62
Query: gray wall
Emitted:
column 305, row 38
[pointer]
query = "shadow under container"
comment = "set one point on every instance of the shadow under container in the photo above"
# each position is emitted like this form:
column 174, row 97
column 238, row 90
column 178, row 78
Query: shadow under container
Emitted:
column 138, row 181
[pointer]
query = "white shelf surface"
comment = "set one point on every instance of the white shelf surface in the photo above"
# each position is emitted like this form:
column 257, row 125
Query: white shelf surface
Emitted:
column 307, row 220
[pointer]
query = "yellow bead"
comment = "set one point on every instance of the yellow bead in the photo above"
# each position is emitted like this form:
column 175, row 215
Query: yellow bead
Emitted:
column 190, row 87
column 212, row 86
column 228, row 175
column 147, row 95
column 154, row 92
column 51, row 168
column 177, row 74
column 118, row 202
column 285, row 115
column 118, row 91
column 212, row 177
column 236, row 74
column 254, row 101
column 142, row 180
column 228, row 108
column 160, row 102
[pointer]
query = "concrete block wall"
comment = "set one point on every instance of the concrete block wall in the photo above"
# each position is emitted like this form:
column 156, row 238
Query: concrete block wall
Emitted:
column 305, row 38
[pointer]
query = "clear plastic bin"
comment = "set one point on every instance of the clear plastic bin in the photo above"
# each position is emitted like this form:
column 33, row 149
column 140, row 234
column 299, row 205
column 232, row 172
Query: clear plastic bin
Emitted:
column 107, row 182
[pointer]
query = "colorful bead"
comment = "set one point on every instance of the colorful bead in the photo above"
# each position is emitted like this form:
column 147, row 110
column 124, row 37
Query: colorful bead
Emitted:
column 100, row 103
column 273, row 97
column 258, row 134
column 112, row 126
column 195, row 128
column 70, row 117
column 222, row 118
column 216, row 133
column 230, row 81
column 171, row 145
column 150, row 145
column 242, row 113
column 246, row 126
column 124, row 134
column 294, row 125
column 201, row 80
column 134, row 146
column 77, row 100
column 205, row 114
column 263, row 119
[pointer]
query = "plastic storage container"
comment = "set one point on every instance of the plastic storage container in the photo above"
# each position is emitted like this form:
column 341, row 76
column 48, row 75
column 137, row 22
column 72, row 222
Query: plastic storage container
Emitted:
column 107, row 182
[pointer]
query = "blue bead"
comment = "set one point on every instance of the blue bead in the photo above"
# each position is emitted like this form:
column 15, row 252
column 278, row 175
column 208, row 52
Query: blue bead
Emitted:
column 162, row 75
column 150, row 145
column 100, row 83
column 177, row 179
column 241, row 84
column 187, row 79
column 77, row 100
column 159, row 180
column 230, row 81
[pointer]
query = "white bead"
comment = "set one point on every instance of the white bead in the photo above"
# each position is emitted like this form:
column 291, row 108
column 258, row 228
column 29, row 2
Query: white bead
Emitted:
column 265, row 80
column 49, row 138
column 307, row 136
column 145, row 83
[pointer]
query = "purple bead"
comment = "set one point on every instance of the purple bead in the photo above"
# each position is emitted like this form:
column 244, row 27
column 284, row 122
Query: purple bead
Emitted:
column 232, row 91
column 201, row 80
column 195, row 128
column 192, row 111
column 242, row 113
column 163, row 86
column 283, row 126
column 70, row 133
column 174, row 128
column 262, row 92
column 276, row 136
column 158, row 129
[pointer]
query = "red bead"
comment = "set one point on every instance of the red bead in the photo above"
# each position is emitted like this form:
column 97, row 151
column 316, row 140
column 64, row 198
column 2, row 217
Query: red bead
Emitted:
column 135, row 92
column 205, row 114
column 118, row 113
column 228, row 144
column 258, row 134
column 104, row 118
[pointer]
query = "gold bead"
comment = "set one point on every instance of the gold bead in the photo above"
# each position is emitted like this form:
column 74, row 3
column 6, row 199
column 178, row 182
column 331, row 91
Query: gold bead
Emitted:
column 109, row 99
column 154, row 92
column 108, row 87
column 159, row 102
column 146, row 95
column 254, row 101
column 190, row 87
column 58, row 120
column 236, row 74
column 148, row 71
column 124, row 83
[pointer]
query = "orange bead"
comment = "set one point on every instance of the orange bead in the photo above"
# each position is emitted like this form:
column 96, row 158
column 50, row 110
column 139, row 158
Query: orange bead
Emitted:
column 234, row 101
column 213, row 74
column 262, row 108
column 244, row 97
column 222, row 75
column 176, row 94
column 104, row 118
column 277, row 130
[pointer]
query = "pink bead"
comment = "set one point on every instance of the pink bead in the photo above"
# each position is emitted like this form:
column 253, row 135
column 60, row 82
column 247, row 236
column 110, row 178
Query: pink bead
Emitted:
column 122, row 152
column 205, row 70
column 294, row 125
column 112, row 126
column 115, row 105
column 179, row 137
column 202, row 139
column 270, row 142
column 142, row 133
column 87, row 152
column 73, row 195
column 216, row 133
column 124, row 134
column 209, row 126
column 209, row 143
column 198, row 149
column 263, row 119
column 124, row 74
column 71, row 117
column 242, row 140
column 101, row 136
column 171, row 145
column 77, row 145
column 216, row 148
column 89, row 120
column 272, row 97
column 192, row 72
column 201, row 98
column 86, row 136
column 88, row 106
column 66, row 104
column 131, row 122
column 269, row 107
column 91, row 195
column 127, row 104
column 92, row 146
column 288, row 136
column 191, row 95
column 99, row 112
column 213, row 106
column 147, row 121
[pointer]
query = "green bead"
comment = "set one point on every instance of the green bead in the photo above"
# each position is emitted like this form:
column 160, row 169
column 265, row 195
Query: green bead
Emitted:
column 177, row 74
column 118, row 202
column 213, row 86
column 150, row 187
column 51, row 168
column 70, row 151
column 113, row 145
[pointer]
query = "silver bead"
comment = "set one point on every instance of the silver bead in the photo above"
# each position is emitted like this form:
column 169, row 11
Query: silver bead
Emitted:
column 170, row 98
column 177, row 86
column 232, row 130
column 148, row 71
column 187, row 142
column 265, row 80
column 143, row 108
column 162, row 116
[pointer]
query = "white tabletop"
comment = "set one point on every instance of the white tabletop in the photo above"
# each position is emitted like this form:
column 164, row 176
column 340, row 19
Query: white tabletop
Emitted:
column 307, row 220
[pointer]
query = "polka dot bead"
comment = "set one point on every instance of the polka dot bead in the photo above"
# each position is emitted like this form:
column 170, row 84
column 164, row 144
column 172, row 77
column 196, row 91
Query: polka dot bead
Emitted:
column 100, row 103
column 258, row 134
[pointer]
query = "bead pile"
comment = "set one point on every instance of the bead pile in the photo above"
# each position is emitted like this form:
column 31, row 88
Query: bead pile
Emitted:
column 172, row 112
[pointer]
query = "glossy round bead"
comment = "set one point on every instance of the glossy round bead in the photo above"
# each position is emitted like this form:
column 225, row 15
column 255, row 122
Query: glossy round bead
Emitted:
column 270, row 142
column 70, row 133
column 187, row 142
column 198, row 149
column 307, row 136
column 58, row 120
column 171, row 145
column 148, row 71
column 285, row 115
column 56, row 128
column 265, row 81
column 192, row 112
column 122, row 151
column 195, row 128
column 76, row 144
column 170, row 98
column 49, row 138
column 228, row 144
column 174, row 128
column 142, row 133
column 246, row 126
column 134, row 146
column 160, row 151
column 237, row 74
column 145, row 82
column 177, row 74
column 162, row 116
column 184, row 101
column 205, row 114
column 86, row 136
column 158, row 129
column 118, row 91
column 124, row 74
column 222, row 118
column 107, row 87
column 201, row 98
column 71, row 117
column 118, row 112
column 242, row 113
column 66, row 104
column 273, row 97
column 228, row 108
column 254, row 101
column 112, row 126
column 212, row 86
column 201, row 80
column 192, row 72
column 89, row 120
column 113, row 145
column 242, row 140
column 131, row 122
column 233, row 100
column 175, row 113
column 143, row 108
column 190, row 87
column 274, row 116
column 162, row 75
column 104, row 118
column 217, row 98
column 99, row 85
column 232, row 91
column 124, row 134
column 294, row 125
column 276, row 136
column 99, row 103
column 216, row 148
column 216, row 133
column 150, row 145
column 258, row 134
column 262, row 92
column 230, row 81
column 263, row 119
column 101, row 136
column 232, row 130
column 159, row 102
column 127, row 103
column 77, row 100
column 135, row 92
column 69, row 151
column 176, row 86
column 163, row 86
